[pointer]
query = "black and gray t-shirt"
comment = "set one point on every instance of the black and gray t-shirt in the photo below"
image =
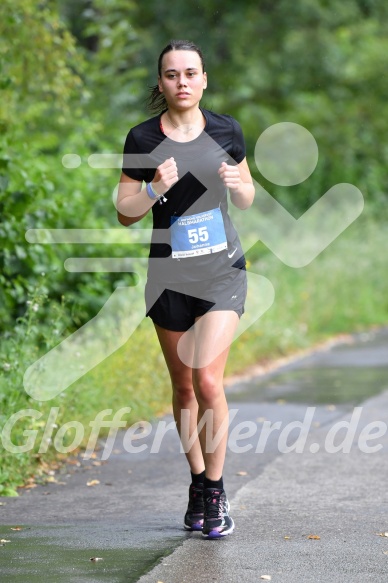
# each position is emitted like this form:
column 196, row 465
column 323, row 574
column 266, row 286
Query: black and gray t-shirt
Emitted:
column 199, row 197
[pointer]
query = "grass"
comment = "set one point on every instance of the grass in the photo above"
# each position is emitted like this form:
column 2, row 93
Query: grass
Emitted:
column 344, row 290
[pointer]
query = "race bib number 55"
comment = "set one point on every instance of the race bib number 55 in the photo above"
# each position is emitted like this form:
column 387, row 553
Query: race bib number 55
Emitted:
column 198, row 234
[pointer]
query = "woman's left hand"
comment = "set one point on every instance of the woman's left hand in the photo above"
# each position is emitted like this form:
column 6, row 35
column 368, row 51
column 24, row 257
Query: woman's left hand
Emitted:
column 230, row 176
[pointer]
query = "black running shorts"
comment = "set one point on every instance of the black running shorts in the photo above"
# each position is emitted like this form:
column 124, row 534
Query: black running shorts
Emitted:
column 177, row 307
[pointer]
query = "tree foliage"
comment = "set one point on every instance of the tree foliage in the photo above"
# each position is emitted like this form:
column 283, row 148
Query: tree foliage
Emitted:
column 74, row 76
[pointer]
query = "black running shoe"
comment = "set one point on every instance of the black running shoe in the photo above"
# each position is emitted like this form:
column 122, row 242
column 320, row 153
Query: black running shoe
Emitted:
column 217, row 522
column 194, row 515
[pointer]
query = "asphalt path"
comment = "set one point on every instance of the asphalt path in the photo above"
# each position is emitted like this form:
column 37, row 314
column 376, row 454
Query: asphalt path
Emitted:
column 131, row 518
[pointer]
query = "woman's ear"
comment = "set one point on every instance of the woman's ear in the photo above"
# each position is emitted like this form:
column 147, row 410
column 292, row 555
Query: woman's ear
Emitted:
column 160, row 85
column 204, row 80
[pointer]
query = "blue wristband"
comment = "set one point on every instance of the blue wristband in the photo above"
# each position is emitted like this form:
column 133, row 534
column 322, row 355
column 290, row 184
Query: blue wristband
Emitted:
column 151, row 193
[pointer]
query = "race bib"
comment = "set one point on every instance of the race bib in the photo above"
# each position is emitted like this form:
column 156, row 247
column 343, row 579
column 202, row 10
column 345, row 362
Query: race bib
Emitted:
column 198, row 234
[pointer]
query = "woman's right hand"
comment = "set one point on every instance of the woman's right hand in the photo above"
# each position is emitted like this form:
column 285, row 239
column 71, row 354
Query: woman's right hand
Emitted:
column 166, row 175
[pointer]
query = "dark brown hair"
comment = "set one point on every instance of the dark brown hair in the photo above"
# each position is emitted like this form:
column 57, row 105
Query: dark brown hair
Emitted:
column 156, row 101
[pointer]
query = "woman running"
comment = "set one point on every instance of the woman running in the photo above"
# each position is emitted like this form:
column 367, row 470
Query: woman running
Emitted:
column 196, row 282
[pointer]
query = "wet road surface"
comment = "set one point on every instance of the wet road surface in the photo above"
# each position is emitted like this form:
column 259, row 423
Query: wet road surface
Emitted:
column 133, row 517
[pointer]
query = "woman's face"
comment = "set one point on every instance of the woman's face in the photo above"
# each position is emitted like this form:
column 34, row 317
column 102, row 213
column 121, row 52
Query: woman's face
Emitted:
column 182, row 81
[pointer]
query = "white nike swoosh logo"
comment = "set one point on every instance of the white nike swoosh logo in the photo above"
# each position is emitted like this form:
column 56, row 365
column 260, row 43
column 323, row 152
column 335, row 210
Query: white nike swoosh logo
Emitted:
column 230, row 255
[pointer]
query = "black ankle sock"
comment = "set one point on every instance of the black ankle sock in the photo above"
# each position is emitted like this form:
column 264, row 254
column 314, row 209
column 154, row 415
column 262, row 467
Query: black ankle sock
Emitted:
column 198, row 478
column 214, row 483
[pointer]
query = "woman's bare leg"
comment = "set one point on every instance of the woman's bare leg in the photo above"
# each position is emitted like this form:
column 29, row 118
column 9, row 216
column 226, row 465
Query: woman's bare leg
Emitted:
column 209, row 331
column 183, row 396
column 200, row 390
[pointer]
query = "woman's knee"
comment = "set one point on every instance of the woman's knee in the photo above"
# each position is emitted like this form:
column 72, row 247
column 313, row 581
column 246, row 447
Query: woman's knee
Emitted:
column 208, row 388
column 183, row 394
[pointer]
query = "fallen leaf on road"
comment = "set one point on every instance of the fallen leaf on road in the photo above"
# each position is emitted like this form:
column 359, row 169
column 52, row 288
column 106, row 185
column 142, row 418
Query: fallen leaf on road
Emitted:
column 51, row 480
column 241, row 473
column 314, row 537
column 266, row 577
column 16, row 528
column 385, row 552
column 281, row 401
column 331, row 407
column 3, row 540
column 382, row 533
column 93, row 483
column 287, row 537
column 97, row 463
column 95, row 559
column 30, row 483
column 74, row 463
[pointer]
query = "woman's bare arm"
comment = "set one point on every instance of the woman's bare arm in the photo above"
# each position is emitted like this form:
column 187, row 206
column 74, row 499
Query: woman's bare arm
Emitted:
column 133, row 202
column 239, row 181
